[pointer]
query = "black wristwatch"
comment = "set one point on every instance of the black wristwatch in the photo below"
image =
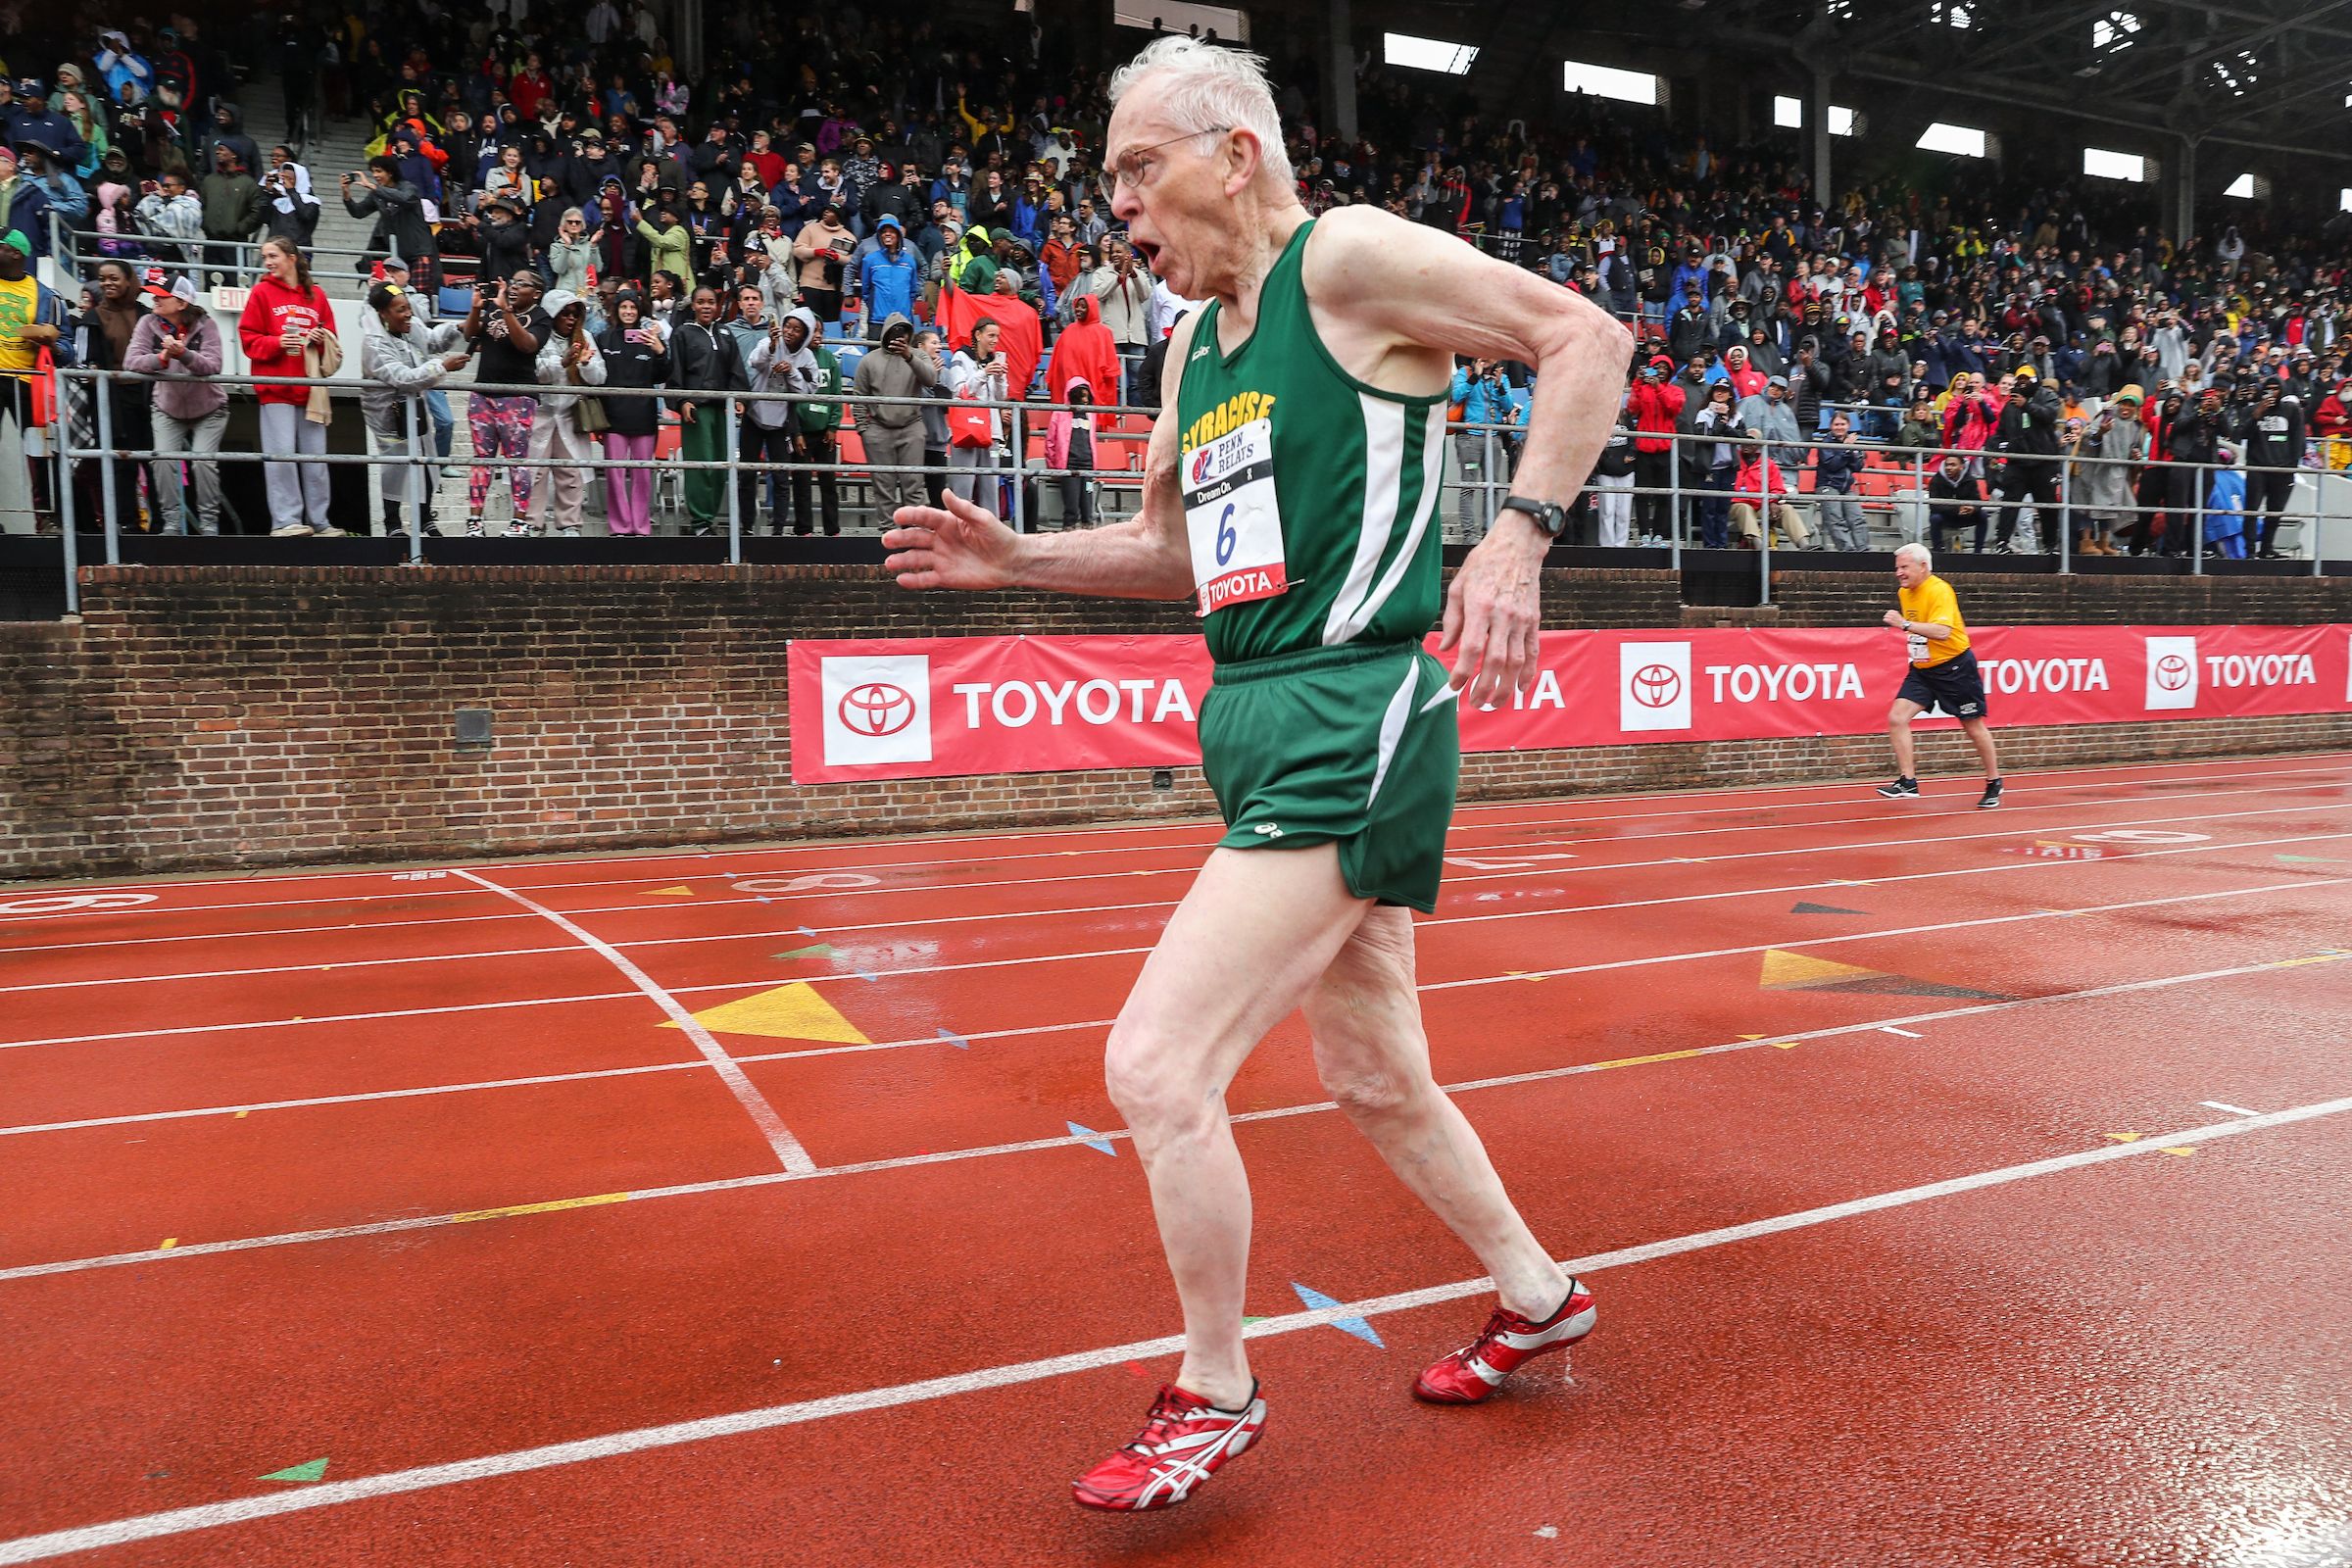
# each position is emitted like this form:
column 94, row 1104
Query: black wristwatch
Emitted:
column 1547, row 516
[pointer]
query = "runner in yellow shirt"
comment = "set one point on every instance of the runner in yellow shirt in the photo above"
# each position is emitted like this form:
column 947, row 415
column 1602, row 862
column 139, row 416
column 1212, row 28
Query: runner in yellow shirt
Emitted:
column 1943, row 676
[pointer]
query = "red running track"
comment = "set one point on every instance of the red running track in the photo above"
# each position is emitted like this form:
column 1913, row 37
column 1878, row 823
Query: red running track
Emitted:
column 1957, row 1187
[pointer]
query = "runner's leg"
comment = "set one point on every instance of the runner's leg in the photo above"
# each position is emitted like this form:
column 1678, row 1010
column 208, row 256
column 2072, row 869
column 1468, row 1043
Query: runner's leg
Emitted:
column 1979, row 735
column 1898, row 732
column 1241, row 951
column 1373, row 1056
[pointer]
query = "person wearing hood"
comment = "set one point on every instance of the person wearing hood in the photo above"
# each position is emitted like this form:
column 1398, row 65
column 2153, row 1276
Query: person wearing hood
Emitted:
column 288, row 207
column 2107, row 490
column 232, row 207
column 894, row 432
column 228, row 130
column 795, row 360
column 2273, row 449
column 1085, row 351
column 766, row 433
column 637, row 356
column 1070, row 449
column 178, row 342
column 568, row 361
column 1658, row 405
column 888, row 276
column 1773, row 415
column 400, row 359
column 978, row 272
column 2028, row 432
column 1480, row 390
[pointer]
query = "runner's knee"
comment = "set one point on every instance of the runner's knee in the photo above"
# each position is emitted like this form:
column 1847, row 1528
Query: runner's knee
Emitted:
column 1154, row 1075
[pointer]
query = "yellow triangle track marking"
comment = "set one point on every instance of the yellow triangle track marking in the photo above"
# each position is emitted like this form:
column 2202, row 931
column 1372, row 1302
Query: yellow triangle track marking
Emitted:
column 795, row 1011
column 1786, row 970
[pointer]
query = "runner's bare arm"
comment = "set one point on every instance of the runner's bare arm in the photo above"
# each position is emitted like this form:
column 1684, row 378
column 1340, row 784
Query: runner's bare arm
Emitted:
column 1144, row 558
column 1404, row 290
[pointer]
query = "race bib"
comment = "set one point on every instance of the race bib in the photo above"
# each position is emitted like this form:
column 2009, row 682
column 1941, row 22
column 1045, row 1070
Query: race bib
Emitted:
column 1918, row 646
column 1231, row 519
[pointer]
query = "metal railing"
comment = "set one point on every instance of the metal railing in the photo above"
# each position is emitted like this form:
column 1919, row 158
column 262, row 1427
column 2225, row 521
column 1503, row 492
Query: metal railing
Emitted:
column 1695, row 507
column 415, row 465
column 237, row 262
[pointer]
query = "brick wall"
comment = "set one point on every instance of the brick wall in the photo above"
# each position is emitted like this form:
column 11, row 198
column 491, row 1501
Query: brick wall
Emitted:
column 226, row 717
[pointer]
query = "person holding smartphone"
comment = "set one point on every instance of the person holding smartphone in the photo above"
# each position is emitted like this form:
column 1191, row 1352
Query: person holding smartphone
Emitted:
column 635, row 355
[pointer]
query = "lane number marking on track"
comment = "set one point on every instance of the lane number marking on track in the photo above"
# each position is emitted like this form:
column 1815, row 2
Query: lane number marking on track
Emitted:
column 801, row 884
column 1517, row 863
column 74, row 903
column 2142, row 835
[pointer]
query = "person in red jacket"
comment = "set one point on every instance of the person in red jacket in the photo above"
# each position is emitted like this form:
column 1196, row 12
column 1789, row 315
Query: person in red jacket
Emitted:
column 286, row 319
column 2331, row 423
column 1657, row 404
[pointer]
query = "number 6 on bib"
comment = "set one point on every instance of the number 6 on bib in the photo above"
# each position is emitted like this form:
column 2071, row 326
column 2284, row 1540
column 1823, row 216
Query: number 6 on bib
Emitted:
column 1232, row 519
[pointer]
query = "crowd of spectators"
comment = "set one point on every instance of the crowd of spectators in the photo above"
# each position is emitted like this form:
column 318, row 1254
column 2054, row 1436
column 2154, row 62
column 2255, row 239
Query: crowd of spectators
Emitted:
column 857, row 207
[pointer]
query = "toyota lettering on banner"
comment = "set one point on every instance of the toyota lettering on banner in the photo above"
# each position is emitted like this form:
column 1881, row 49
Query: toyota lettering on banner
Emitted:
column 964, row 706
column 943, row 708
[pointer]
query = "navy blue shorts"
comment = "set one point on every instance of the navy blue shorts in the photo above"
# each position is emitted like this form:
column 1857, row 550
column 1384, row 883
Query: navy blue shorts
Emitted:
column 1954, row 688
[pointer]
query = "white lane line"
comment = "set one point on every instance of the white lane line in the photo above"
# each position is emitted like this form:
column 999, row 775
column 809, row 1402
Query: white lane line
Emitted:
column 1187, row 870
column 729, row 1184
column 1047, row 913
column 1063, row 958
column 2219, row 771
column 2234, row 1110
column 1898, row 931
column 788, row 1151
column 611, row 1444
column 1905, row 1033
column 1189, row 865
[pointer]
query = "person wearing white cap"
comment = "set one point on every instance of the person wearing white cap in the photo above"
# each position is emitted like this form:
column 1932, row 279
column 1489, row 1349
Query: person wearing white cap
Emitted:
column 179, row 343
column 569, row 360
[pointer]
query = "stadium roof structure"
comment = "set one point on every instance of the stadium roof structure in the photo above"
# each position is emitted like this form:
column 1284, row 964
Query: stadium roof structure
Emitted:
column 2275, row 74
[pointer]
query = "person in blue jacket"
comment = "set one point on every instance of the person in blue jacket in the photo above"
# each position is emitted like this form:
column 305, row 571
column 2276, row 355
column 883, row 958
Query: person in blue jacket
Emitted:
column 1485, row 396
column 889, row 278
column 2225, row 508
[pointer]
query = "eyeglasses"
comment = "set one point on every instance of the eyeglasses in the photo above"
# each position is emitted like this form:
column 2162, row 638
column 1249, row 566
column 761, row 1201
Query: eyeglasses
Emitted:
column 1134, row 169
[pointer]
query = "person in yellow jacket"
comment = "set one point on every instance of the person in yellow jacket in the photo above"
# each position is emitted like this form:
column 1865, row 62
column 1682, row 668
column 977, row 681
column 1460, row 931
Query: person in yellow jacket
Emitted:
column 1944, row 675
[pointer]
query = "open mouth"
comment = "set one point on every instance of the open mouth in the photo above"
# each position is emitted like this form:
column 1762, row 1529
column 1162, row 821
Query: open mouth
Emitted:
column 1148, row 253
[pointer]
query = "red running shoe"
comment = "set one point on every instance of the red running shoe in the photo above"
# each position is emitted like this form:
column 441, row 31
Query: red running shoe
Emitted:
column 1184, row 1441
column 1509, row 1342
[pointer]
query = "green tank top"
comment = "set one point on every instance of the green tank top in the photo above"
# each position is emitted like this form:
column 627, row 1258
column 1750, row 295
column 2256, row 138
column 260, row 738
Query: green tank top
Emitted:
column 1309, row 498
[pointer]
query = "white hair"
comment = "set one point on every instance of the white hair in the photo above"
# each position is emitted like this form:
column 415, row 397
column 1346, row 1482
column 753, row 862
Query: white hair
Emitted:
column 1919, row 553
column 1212, row 88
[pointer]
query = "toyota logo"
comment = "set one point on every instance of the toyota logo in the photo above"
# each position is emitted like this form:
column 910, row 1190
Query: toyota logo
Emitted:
column 875, row 709
column 1655, row 685
column 2173, row 671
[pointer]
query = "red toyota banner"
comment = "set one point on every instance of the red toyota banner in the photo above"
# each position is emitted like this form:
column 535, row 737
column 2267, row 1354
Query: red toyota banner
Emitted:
column 967, row 706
